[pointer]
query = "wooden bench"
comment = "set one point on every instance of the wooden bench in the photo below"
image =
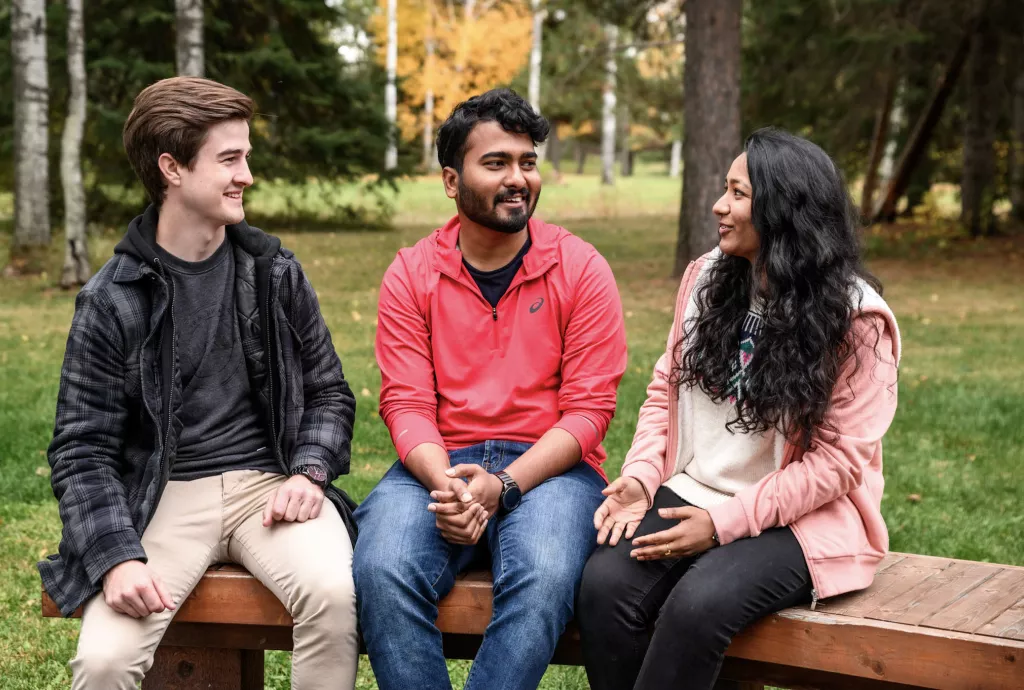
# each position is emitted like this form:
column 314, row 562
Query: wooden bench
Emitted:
column 925, row 623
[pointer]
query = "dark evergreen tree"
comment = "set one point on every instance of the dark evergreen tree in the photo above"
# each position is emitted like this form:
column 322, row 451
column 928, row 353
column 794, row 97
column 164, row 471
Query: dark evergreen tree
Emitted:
column 316, row 114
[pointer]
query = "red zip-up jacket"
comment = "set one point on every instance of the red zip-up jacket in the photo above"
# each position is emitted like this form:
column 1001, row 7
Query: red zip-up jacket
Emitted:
column 455, row 371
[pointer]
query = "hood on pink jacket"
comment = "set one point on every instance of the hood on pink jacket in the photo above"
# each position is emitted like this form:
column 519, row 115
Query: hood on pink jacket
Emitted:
column 830, row 495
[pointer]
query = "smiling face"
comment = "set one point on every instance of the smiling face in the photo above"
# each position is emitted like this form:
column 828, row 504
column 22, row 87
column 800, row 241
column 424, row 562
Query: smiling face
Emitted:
column 737, row 235
column 499, row 185
column 212, row 189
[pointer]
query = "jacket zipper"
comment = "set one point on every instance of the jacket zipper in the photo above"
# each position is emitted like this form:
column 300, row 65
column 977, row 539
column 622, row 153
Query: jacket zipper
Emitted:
column 494, row 312
column 270, row 365
column 814, row 599
column 174, row 358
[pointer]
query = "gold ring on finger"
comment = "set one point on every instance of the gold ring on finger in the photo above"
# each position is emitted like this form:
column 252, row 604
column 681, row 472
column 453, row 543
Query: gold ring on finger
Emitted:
column 668, row 552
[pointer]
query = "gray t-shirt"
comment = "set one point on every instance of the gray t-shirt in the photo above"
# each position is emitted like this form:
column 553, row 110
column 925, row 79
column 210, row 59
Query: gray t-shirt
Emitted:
column 223, row 429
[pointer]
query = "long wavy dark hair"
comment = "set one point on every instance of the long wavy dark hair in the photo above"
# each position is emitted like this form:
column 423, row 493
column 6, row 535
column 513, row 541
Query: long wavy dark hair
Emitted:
column 806, row 275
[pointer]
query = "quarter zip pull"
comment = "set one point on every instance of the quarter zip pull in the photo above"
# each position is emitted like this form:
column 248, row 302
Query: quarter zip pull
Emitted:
column 494, row 313
column 814, row 599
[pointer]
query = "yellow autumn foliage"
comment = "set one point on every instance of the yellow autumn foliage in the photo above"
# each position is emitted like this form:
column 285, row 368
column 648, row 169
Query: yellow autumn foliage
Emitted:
column 478, row 46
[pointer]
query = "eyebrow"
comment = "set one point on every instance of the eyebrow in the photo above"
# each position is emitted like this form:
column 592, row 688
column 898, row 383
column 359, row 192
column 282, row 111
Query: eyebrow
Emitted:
column 506, row 156
column 738, row 182
column 232, row 152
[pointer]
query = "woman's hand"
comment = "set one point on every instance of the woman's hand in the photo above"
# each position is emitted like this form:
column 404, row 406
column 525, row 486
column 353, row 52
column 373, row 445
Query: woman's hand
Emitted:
column 694, row 534
column 622, row 511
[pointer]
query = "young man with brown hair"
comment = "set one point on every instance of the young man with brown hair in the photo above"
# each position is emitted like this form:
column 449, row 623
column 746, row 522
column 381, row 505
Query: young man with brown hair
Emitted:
column 202, row 412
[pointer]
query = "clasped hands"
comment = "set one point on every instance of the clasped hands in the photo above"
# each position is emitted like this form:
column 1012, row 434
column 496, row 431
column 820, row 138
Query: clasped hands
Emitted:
column 624, row 507
column 466, row 503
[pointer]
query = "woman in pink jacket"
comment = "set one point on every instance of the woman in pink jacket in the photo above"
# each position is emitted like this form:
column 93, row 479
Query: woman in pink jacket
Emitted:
column 754, row 481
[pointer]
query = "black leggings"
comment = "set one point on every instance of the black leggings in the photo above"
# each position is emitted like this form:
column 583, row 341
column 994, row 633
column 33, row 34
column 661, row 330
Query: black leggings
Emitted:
column 667, row 623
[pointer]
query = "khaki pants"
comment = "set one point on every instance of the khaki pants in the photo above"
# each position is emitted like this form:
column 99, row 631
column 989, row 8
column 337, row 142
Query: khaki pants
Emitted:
column 219, row 519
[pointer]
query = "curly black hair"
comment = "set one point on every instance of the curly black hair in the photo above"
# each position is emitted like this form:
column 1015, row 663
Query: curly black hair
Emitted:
column 504, row 106
column 806, row 272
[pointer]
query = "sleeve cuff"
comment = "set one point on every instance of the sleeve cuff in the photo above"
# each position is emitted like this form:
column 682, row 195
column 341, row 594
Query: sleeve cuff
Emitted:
column 110, row 550
column 647, row 474
column 730, row 521
column 410, row 430
column 581, row 429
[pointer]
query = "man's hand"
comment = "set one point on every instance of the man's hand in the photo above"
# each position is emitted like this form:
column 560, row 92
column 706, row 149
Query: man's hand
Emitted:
column 622, row 510
column 694, row 534
column 484, row 487
column 133, row 589
column 460, row 518
column 297, row 500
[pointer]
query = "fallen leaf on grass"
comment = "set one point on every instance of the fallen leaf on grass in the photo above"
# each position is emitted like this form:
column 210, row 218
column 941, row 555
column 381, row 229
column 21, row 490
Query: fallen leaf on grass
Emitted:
column 356, row 316
column 914, row 498
column 43, row 471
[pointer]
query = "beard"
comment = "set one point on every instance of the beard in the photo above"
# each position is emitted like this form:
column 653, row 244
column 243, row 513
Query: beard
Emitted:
column 485, row 211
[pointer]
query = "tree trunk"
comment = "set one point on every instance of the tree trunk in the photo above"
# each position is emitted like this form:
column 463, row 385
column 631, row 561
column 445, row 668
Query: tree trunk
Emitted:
column 895, row 126
column 625, row 154
column 76, row 253
column 535, row 62
column 555, row 150
column 1017, row 162
column 977, row 187
column 189, row 48
column 581, row 157
column 611, row 33
column 391, row 89
column 31, row 101
column 878, row 144
column 428, row 101
column 711, row 84
column 923, row 129
column 675, row 162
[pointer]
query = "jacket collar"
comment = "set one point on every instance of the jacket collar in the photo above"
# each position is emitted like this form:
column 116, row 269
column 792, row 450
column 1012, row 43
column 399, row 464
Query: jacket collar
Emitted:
column 543, row 252
column 138, row 255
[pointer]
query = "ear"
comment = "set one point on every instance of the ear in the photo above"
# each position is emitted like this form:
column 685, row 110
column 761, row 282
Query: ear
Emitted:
column 450, row 177
column 170, row 169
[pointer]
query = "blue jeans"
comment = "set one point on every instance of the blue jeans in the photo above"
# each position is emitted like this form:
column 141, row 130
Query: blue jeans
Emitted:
column 403, row 567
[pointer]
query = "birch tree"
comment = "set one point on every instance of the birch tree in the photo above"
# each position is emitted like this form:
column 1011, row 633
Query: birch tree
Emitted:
column 31, row 101
column 536, row 54
column 608, row 110
column 391, row 90
column 76, row 253
column 189, row 47
column 430, row 44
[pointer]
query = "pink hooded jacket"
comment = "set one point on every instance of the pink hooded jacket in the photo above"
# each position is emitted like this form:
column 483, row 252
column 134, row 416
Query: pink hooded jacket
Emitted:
column 829, row 496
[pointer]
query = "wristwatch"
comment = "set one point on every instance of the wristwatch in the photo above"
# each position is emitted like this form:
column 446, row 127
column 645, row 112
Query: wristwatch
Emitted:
column 511, row 494
column 314, row 473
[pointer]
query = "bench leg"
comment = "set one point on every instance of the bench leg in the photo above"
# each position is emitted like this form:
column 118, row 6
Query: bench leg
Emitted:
column 181, row 668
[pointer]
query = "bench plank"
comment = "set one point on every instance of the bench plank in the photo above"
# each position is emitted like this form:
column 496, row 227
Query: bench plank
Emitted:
column 1009, row 624
column 934, row 594
column 894, row 581
column 993, row 597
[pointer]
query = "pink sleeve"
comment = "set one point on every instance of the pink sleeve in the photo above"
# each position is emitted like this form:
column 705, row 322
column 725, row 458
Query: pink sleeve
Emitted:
column 863, row 406
column 648, row 458
column 408, row 401
column 593, row 356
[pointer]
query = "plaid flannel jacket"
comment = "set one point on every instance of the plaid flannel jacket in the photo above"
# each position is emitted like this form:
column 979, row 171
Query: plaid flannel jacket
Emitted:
column 118, row 407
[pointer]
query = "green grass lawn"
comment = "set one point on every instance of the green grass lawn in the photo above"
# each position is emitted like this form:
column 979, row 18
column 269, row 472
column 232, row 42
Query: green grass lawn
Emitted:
column 954, row 457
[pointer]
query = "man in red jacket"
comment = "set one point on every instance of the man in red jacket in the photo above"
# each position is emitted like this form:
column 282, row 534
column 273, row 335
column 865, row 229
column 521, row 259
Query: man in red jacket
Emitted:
column 501, row 345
